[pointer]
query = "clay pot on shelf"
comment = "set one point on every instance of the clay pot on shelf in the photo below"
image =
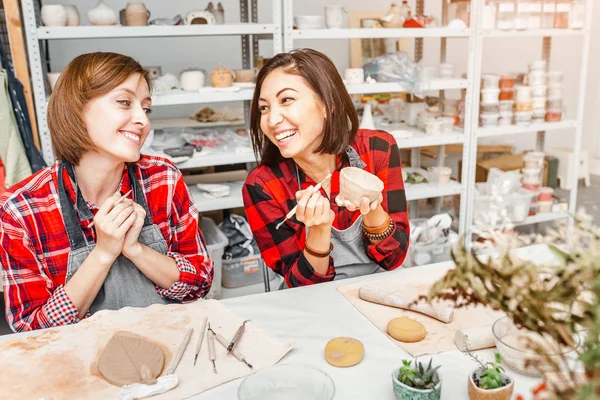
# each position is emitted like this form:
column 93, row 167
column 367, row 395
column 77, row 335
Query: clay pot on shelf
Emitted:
column 72, row 15
column 356, row 183
column 102, row 15
column 200, row 17
column 221, row 77
column 392, row 18
column 136, row 14
column 245, row 75
column 192, row 80
column 218, row 12
column 54, row 15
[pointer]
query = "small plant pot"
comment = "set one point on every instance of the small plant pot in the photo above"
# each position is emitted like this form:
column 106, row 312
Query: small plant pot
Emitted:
column 502, row 393
column 405, row 392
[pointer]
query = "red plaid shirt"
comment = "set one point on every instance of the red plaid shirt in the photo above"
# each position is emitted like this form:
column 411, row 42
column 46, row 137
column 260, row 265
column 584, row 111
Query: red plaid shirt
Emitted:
column 270, row 193
column 34, row 247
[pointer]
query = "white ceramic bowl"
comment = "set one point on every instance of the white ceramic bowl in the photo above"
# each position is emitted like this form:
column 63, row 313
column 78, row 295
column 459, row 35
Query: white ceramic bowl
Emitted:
column 310, row 22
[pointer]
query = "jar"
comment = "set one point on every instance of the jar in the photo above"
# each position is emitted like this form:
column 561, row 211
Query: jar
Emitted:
column 524, row 106
column 539, row 103
column 539, row 115
column 523, row 117
column 545, row 194
column 459, row 9
column 532, row 175
column 489, row 16
column 434, row 127
column 490, row 108
column 489, row 95
column 538, row 91
column 507, row 81
column 536, row 78
column 450, row 107
column 544, row 207
column 548, row 14
column 505, row 15
column 532, row 187
column 506, row 105
column 440, row 174
column 554, row 103
column 488, row 120
column 577, row 17
column 522, row 15
column 507, row 94
column 535, row 14
column 555, row 76
column 446, row 70
column 490, row 81
column 538, row 65
column 523, row 93
column 555, row 90
column 534, row 159
column 505, row 118
column 553, row 115
column 447, row 124
column 563, row 12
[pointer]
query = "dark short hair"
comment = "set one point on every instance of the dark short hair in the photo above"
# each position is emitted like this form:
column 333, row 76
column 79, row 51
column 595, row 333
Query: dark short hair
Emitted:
column 321, row 75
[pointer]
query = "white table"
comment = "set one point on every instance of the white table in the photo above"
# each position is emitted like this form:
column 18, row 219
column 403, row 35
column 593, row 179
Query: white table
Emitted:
column 310, row 316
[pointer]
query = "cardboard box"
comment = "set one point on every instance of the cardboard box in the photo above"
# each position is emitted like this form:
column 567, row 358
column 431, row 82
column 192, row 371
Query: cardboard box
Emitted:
column 504, row 163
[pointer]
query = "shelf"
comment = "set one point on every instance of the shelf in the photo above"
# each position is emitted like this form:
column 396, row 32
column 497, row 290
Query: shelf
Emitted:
column 117, row 31
column 234, row 200
column 431, row 190
column 217, row 158
column 534, row 33
column 421, row 139
column 518, row 129
column 544, row 217
column 191, row 123
column 366, row 33
column 179, row 97
column 387, row 87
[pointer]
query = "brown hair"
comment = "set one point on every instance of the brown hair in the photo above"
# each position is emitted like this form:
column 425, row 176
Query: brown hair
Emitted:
column 320, row 74
column 86, row 77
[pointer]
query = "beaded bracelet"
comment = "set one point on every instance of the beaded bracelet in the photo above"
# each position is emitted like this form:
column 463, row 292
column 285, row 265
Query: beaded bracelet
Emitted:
column 374, row 237
column 318, row 254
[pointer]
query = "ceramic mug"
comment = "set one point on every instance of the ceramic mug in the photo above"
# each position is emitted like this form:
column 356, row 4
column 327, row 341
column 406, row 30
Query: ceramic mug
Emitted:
column 354, row 75
column 334, row 16
column 192, row 81
column 245, row 75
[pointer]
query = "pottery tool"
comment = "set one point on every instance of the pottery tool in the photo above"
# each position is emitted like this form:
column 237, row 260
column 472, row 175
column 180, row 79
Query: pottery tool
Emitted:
column 380, row 296
column 293, row 210
column 476, row 337
column 199, row 345
column 236, row 337
column 211, row 348
column 118, row 201
column 235, row 353
column 180, row 352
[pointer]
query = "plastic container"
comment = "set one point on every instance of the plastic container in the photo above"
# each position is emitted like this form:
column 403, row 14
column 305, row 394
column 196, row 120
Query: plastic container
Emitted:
column 532, row 187
column 533, row 160
column 490, row 81
column 429, row 253
column 544, row 207
column 489, row 95
column 523, row 93
column 538, row 91
column 539, row 114
column 506, row 105
column 577, row 17
column 490, row 108
column 555, row 90
column 545, row 194
column 506, row 94
column 523, row 117
column 531, row 175
column 536, row 78
column 446, row 70
column 539, row 103
column 488, row 120
column 507, row 82
column 555, row 77
column 522, row 15
column 563, row 14
column 434, row 127
column 447, row 124
column 459, row 9
column 439, row 174
column 535, row 14
column 515, row 206
column 553, row 115
column 505, row 118
column 216, row 241
column 523, row 106
column 548, row 14
column 505, row 15
column 554, row 103
column 539, row 65
column 244, row 271
column 450, row 107
column 489, row 16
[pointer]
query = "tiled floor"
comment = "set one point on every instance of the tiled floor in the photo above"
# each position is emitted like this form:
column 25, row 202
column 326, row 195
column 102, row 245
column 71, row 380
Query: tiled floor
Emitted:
column 589, row 198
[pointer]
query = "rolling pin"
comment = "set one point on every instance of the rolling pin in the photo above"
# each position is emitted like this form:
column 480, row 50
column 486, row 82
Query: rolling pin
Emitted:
column 380, row 296
column 479, row 337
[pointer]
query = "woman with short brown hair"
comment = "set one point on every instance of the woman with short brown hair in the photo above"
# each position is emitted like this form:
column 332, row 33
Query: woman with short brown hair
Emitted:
column 104, row 227
column 304, row 127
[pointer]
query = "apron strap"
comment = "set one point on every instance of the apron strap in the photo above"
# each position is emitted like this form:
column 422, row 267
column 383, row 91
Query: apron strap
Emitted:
column 139, row 195
column 70, row 217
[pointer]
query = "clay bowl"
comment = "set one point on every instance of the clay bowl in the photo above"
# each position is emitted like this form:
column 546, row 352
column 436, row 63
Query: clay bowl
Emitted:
column 245, row 75
column 356, row 183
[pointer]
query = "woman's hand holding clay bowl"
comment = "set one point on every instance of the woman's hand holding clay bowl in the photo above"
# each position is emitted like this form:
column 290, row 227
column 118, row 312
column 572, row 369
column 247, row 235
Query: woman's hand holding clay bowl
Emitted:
column 359, row 189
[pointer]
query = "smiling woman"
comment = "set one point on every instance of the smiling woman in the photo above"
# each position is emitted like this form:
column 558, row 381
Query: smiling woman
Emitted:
column 304, row 127
column 140, row 250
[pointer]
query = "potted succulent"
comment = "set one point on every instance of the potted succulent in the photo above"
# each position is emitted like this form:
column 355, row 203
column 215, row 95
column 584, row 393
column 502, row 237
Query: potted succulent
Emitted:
column 417, row 383
column 489, row 381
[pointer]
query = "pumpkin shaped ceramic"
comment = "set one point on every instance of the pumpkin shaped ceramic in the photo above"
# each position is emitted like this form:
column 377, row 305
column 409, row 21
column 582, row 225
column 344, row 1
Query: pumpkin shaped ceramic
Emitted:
column 221, row 77
column 356, row 183
column 393, row 18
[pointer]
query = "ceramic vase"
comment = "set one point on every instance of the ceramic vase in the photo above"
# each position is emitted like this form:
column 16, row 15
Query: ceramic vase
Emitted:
column 72, row 15
column 54, row 15
column 136, row 14
column 102, row 15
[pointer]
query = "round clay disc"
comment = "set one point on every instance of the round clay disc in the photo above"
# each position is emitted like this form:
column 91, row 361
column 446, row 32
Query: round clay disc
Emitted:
column 344, row 351
column 406, row 330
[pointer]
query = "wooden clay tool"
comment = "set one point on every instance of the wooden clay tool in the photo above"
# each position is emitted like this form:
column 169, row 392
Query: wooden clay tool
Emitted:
column 293, row 210
column 236, row 337
column 199, row 345
column 118, row 201
column 180, row 352
column 235, row 353
column 380, row 296
column 211, row 348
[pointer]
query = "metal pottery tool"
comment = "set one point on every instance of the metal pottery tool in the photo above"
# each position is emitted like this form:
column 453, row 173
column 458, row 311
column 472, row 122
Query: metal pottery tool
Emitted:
column 293, row 210
column 199, row 345
column 180, row 352
column 236, row 337
column 211, row 348
column 235, row 353
column 118, row 201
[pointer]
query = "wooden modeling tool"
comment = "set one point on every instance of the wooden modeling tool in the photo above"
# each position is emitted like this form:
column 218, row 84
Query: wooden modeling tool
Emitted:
column 118, row 201
column 180, row 352
column 211, row 348
column 199, row 345
column 235, row 353
column 293, row 210
column 236, row 337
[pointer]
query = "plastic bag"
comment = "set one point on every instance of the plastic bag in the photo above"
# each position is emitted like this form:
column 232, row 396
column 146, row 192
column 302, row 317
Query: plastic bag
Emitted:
column 241, row 240
column 395, row 67
column 501, row 183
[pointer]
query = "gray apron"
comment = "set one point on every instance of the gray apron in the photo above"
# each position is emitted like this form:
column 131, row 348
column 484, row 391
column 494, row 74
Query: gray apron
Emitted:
column 125, row 285
column 349, row 256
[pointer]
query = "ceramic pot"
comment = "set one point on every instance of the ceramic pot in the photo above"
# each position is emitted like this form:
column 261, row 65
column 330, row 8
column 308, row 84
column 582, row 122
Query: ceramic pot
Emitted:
column 354, row 75
column 54, row 15
column 404, row 392
column 199, row 17
column 245, row 75
column 72, row 15
column 501, row 393
column 102, row 15
column 334, row 16
column 218, row 12
column 356, row 183
column 136, row 14
column 192, row 81
column 221, row 77
column 393, row 18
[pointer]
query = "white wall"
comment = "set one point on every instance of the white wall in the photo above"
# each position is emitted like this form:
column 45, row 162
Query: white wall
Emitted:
column 500, row 55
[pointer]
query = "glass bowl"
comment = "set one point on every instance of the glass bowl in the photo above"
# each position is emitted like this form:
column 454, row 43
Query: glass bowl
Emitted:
column 289, row 382
column 512, row 346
